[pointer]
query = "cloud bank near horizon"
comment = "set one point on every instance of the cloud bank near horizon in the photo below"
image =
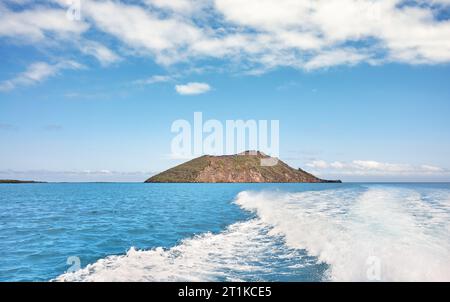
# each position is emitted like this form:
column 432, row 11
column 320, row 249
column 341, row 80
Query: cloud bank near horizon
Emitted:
column 374, row 168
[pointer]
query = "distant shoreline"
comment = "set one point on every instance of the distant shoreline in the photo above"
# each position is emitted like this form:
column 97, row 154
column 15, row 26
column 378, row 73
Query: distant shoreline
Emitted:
column 15, row 181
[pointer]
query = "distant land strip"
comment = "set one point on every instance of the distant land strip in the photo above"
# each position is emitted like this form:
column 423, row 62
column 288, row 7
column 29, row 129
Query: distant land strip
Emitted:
column 15, row 181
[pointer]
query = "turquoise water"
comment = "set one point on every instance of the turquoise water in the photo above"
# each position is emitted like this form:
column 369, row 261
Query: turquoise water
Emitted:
column 224, row 232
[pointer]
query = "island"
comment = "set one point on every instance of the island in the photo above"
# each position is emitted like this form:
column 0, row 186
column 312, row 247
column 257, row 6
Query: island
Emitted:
column 14, row 181
column 245, row 167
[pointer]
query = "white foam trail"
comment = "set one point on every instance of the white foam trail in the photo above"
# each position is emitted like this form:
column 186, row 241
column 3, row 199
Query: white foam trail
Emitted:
column 383, row 233
column 380, row 233
column 243, row 251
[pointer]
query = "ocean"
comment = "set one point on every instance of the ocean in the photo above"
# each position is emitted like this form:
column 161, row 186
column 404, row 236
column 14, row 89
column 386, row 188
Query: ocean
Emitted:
column 225, row 232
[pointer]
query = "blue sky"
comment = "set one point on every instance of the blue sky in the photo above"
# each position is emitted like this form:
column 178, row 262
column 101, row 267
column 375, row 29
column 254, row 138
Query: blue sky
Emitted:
column 94, row 99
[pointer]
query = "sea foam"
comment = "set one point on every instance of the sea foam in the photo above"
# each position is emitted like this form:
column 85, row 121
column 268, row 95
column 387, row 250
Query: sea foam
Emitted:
column 378, row 233
column 244, row 251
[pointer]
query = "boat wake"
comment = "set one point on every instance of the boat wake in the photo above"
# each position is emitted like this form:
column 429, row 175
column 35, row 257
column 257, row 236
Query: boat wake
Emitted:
column 381, row 234
column 376, row 233
column 244, row 251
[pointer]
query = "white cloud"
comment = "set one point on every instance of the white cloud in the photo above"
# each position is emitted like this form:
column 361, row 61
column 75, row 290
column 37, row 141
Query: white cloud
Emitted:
column 178, row 6
column 335, row 57
column 432, row 168
column 38, row 72
column 301, row 34
column 155, row 79
column 319, row 164
column 337, row 165
column 371, row 167
column 192, row 88
column 143, row 30
column 379, row 166
column 51, row 27
column 406, row 33
column 253, row 35
column 103, row 54
column 39, row 23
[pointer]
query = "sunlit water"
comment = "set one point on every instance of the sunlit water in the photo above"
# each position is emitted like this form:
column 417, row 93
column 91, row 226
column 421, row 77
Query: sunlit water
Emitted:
column 225, row 232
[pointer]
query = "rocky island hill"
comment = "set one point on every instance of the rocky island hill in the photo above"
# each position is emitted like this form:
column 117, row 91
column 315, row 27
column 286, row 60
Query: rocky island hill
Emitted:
column 244, row 167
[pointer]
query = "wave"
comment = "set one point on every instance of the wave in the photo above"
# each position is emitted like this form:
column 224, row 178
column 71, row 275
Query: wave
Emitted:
column 243, row 252
column 380, row 234
column 370, row 234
